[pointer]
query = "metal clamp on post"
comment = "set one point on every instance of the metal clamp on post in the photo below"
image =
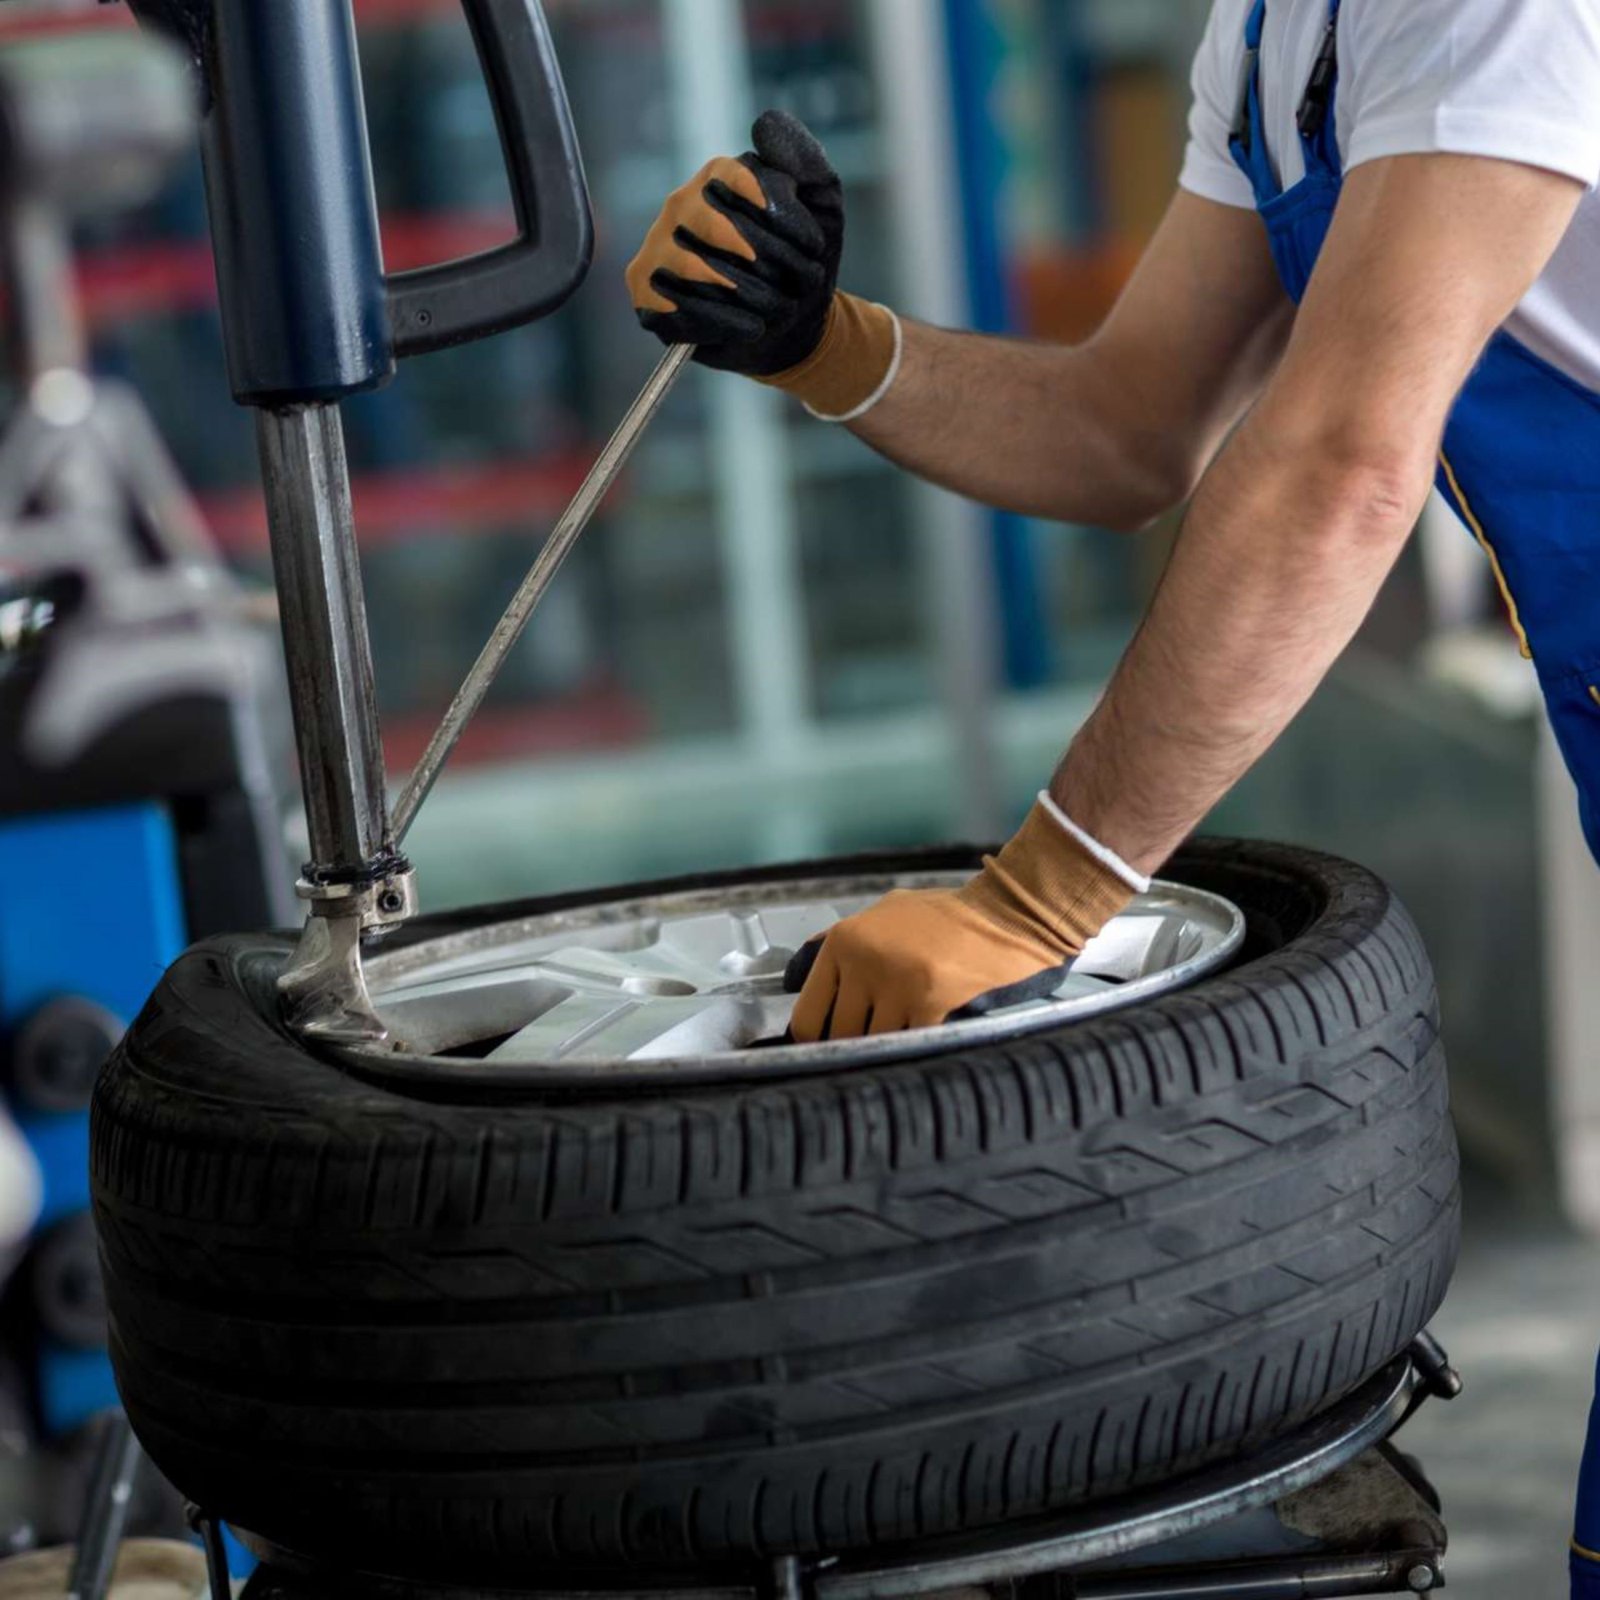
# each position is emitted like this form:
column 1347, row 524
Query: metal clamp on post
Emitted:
column 325, row 985
column 309, row 317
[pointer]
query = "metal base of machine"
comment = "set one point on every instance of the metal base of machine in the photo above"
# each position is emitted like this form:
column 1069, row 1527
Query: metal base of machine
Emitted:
column 1333, row 1509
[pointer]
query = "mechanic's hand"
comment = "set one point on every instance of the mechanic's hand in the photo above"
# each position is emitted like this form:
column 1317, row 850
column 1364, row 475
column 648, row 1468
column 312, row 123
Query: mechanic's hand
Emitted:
column 743, row 263
column 921, row 956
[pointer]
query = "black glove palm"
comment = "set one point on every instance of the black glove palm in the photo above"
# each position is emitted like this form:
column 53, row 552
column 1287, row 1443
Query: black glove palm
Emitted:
column 771, row 313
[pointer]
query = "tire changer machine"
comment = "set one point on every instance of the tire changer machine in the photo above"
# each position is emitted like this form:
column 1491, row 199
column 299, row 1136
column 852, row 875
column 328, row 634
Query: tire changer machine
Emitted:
column 309, row 317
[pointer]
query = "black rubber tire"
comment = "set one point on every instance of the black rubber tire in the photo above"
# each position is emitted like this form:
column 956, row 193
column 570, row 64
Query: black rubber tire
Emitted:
column 408, row 1334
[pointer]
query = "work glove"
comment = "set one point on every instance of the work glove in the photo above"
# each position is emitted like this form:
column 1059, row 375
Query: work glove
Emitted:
column 743, row 263
column 920, row 957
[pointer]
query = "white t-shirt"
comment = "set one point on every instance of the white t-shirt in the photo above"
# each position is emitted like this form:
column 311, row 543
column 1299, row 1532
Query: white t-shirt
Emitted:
column 1513, row 79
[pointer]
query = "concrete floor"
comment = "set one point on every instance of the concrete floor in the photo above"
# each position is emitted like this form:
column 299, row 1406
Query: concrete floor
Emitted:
column 1522, row 1324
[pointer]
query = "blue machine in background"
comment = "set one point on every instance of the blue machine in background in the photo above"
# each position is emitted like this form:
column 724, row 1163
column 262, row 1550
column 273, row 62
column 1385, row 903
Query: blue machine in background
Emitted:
column 143, row 730
column 70, row 980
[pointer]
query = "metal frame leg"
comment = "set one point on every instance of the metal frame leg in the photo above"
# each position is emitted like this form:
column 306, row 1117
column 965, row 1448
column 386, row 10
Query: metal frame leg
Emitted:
column 1428, row 1356
column 106, row 1511
column 209, row 1532
column 788, row 1579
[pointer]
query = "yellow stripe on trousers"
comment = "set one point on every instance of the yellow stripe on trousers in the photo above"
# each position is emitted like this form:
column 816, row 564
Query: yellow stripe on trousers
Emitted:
column 1488, row 550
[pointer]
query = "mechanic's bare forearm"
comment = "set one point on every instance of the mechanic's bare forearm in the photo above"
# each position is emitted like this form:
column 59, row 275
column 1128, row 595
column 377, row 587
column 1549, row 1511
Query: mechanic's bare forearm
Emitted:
column 1274, row 571
column 1036, row 428
column 1119, row 429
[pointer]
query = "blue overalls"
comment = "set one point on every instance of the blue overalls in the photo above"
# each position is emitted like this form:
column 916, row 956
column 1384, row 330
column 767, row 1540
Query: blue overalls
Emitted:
column 1521, row 467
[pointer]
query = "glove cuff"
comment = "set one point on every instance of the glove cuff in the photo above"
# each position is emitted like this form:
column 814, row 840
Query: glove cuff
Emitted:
column 854, row 365
column 1106, row 856
column 1048, row 885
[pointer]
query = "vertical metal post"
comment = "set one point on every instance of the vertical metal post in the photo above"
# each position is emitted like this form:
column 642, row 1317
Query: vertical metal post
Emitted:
column 331, row 686
column 910, row 56
column 355, row 880
column 47, row 328
column 708, row 56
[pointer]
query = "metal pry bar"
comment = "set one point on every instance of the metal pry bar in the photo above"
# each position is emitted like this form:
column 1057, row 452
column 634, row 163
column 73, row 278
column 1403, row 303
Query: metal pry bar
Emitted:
column 554, row 551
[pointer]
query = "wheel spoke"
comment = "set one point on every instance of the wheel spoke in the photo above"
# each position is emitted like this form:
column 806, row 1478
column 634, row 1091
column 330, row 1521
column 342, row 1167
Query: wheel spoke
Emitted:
column 592, row 1027
column 448, row 1012
column 749, row 944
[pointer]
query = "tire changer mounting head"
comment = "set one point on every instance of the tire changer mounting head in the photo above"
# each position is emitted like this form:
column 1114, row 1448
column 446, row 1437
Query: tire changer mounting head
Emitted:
column 309, row 316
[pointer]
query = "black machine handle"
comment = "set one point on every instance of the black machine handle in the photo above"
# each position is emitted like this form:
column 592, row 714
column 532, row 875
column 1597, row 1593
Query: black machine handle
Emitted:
column 308, row 315
column 483, row 294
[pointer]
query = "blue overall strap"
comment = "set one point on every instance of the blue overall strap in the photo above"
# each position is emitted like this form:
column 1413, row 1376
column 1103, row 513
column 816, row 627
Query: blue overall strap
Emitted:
column 1317, row 119
column 1249, row 143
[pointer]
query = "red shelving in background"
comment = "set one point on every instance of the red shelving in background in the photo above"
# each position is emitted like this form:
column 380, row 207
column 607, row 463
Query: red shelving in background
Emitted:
column 22, row 23
column 392, row 506
column 148, row 279
column 25, row 23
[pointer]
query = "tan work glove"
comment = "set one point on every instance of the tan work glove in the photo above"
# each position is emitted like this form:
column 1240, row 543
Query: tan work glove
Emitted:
column 920, row 957
column 743, row 263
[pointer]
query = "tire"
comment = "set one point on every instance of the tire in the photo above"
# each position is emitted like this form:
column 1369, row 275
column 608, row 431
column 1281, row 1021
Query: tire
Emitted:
column 406, row 1333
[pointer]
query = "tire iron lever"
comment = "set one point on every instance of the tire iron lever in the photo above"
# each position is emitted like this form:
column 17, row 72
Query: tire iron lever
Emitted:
column 552, row 553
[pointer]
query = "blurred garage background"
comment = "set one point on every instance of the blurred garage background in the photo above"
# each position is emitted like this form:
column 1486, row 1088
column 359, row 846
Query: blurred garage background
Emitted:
column 773, row 645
